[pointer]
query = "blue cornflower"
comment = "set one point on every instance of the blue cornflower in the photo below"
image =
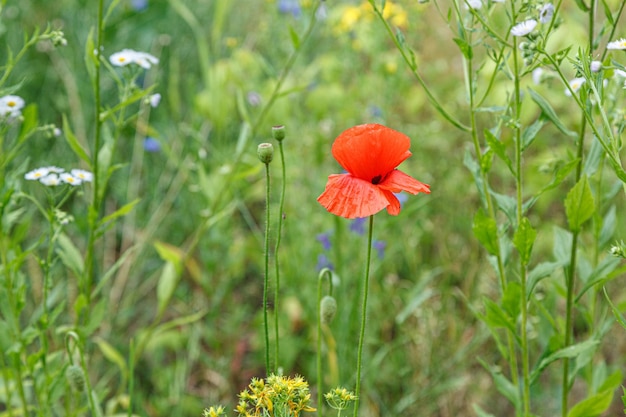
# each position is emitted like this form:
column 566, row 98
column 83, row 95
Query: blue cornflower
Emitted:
column 358, row 225
column 151, row 145
column 324, row 262
column 379, row 246
column 139, row 5
column 324, row 239
column 290, row 7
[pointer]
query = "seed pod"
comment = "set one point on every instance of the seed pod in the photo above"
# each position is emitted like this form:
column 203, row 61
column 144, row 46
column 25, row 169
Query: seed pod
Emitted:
column 328, row 309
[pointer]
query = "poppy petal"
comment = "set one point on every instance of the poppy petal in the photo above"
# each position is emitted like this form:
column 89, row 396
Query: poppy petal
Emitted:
column 397, row 181
column 351, row 197
column 393, row 206
column 371, row 150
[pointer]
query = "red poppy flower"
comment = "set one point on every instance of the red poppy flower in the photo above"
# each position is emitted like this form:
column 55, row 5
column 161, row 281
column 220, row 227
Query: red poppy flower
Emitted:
column 370, row 153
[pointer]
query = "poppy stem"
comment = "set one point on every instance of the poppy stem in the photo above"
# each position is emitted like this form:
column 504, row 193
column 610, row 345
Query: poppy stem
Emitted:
column 267, row 267
column 363, row 316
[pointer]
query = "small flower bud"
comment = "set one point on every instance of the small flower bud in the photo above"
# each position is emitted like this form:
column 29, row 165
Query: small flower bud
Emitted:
column 618, row 250
column 278, row 132
column 328, row 309
column 265, row 151
column 76, row 377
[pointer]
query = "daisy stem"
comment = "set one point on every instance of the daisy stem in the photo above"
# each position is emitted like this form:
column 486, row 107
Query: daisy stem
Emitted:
column 267, row 267
column 276, row 262
column 89, row 268
column 363, row 316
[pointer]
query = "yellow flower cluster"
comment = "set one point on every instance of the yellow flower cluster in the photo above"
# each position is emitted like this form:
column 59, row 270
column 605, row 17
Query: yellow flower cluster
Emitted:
column 351, row 15
column 275, row 396
column 214, row 412
column 339, row 398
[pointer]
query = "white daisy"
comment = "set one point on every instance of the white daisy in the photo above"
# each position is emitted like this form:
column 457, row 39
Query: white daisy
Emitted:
column 575, row 85
column 51, row 180
column 36, row 174
column 546, row 12
column 54, row 169
column 123, row 58
column 82, row 175
column 618, row 44
column 524, row 28
column 145, row 60
column 70, row 179
column 11, row 105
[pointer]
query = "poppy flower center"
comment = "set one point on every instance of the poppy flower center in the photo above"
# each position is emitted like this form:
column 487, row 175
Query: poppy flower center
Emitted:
column 377, row 179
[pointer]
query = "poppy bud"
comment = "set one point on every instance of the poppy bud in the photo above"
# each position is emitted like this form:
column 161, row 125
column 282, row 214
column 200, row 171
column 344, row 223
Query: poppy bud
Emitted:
column 278, row 132
column 76, row 377
column 265, row 151
column 328, row 309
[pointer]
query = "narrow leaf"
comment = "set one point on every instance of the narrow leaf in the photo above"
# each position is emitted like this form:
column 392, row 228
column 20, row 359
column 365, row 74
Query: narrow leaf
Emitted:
column 70, row 255
column 499, row 149
column 73, row 142
column 486, row 231
column 125, row 209
column 167, row 284
column 579, row 204
column 549, row 112
column 112, row 355
column 592, row 406
column 524, row 239
column 567, row 352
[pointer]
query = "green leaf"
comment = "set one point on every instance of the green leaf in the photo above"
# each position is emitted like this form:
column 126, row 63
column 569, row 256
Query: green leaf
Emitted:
column 579, row 204
column 486, row 231
column 112, row 355
column 609, row 223
column 496, row 317
column 73, row 142
column 549, row 112
column 506, row 387
column 618, row 315
column 122, row 211
column 499, row 149
column 524, row 239
column 167, row 284
column 539, row 272
column 582, row 6
column 567, row 352
column 511, row 299
column 465, row 47
column 70, row 255
column 592, row 406
column 295, row 39
column 601, row 273
column 530, row 133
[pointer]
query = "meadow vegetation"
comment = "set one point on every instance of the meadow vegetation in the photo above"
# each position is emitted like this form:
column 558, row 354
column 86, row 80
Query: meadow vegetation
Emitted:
column 142, row 239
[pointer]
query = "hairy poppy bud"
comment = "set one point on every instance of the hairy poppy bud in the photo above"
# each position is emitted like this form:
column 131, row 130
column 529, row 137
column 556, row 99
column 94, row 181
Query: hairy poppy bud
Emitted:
column 265, row 151
column 328, row 309
column 278, row 132
column 76, row 377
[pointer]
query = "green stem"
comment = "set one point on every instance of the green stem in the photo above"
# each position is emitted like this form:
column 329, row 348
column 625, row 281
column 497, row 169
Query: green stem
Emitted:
column 520, row 214
column 267, row 267
column 410, row 61
column 279, row 228
column 325, row 272
column 363, row 316
column 90, row 271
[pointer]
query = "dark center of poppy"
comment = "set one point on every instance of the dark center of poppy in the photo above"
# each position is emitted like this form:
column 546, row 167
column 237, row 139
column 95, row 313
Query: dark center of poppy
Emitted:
column 377, row 179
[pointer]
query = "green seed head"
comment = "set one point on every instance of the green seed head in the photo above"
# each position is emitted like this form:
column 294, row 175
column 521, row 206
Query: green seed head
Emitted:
column 278, row 132
column 265, row 151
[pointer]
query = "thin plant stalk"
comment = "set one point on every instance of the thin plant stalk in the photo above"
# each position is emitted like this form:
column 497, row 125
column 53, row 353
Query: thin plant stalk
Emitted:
column 368, row 258
column 94, row 210
column 279, row 227
column 324, row 273
column 267, row 267
column 520, row 212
